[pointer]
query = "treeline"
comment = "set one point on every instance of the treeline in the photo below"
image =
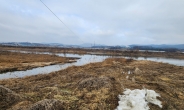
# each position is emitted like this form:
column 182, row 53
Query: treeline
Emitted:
column 155, row 49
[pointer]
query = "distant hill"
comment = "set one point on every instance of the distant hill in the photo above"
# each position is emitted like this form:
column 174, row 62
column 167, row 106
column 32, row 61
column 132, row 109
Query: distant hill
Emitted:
column 163, row 46
column 179, row 46
column 89, row 45
column 28, row 44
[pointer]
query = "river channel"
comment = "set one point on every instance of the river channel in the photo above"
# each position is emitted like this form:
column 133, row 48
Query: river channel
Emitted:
column 84, row 59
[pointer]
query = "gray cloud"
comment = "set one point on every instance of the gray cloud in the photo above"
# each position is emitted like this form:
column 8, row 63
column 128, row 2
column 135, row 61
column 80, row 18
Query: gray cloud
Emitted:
column 117, row 22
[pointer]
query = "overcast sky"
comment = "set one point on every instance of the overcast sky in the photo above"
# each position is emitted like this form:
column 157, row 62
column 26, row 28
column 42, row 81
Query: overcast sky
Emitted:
column 110, row 22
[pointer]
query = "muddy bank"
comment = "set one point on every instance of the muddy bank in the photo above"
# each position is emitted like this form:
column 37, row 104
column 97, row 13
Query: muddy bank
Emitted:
column 14, row 61
column 96, row 86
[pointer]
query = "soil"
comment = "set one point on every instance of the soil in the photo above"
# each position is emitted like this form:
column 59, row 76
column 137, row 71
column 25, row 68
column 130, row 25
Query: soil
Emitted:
column 15, row 61
column 96, row 86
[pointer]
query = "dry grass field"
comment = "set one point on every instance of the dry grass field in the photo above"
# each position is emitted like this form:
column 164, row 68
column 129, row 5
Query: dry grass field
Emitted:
column 94, row 86
column 129, row 53
column 13, row 61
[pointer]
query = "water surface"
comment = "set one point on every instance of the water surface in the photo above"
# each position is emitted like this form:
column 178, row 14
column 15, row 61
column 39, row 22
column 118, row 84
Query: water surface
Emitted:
column 84, row 59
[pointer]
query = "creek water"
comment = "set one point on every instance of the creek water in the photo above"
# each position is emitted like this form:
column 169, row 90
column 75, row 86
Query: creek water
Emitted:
column 84, row 59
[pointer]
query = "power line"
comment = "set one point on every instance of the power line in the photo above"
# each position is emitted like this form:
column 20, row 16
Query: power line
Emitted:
column 58, row 18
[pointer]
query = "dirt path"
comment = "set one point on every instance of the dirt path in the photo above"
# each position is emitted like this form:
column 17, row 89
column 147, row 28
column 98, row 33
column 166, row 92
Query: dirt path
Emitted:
column 96, row 86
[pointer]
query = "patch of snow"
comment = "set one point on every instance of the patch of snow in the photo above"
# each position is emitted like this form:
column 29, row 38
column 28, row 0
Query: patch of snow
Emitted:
column 151, row 97
column 129, row 72
column 138, row 99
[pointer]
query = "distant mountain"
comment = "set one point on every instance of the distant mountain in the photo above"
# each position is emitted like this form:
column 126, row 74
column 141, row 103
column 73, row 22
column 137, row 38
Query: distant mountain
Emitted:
column 85, row 45
column 162, row 46
column 28, row 44
column 54, row 44
column 179, row 46
column 109, row 47
column 22, row 44
column 90, row 45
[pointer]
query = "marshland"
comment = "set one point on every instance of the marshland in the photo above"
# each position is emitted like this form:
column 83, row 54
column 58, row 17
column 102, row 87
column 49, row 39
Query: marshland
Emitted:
column 95, row 84
column 91, row 55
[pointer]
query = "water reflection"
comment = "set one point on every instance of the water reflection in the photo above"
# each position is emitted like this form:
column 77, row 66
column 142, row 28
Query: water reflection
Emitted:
column 84, row 59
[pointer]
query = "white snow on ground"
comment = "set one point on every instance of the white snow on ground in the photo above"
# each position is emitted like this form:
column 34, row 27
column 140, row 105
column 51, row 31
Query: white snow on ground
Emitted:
column 138, row 99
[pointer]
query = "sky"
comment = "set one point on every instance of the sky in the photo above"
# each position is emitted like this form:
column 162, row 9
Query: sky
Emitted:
column 109, row 22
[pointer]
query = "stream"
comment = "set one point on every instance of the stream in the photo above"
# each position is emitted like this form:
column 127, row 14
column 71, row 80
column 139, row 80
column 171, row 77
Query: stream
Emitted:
column 84, row 59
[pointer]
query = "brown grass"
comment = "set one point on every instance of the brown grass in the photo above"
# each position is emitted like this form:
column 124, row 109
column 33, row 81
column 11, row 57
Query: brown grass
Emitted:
column 96, row 86
column 129, row 53
column 11, row 61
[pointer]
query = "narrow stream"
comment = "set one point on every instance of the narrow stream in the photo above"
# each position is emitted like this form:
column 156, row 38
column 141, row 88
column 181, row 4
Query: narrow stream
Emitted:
column 84, row 59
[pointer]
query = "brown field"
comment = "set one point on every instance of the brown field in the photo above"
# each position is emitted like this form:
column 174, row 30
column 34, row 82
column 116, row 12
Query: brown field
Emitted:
column 13, row 61
column 129, row 53
column 94, row 86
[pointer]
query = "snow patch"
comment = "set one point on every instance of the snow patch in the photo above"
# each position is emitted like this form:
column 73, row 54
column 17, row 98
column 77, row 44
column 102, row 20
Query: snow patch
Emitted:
column 129, row 72
column 138, row 99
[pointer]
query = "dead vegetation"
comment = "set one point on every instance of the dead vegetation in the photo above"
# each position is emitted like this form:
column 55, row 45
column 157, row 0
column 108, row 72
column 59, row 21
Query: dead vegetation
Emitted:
column 96, row 86
column 12, row 61
column 8, row 97
column 109, row 52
